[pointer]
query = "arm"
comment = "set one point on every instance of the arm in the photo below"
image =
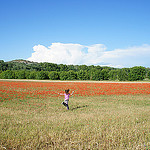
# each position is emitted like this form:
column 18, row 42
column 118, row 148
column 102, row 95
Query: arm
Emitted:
column 60, row 94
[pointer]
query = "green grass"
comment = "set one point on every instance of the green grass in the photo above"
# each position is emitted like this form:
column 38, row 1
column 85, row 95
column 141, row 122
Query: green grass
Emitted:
column 104, row 122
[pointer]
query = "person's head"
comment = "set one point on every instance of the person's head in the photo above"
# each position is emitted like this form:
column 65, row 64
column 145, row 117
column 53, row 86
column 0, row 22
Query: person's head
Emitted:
column 67, row 91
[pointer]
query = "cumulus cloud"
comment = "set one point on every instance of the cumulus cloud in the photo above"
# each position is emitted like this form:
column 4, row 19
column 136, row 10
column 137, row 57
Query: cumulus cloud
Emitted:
column 96, row 54
column 132, row 56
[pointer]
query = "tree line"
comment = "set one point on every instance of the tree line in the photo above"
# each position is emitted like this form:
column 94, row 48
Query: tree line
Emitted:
column 22, row 69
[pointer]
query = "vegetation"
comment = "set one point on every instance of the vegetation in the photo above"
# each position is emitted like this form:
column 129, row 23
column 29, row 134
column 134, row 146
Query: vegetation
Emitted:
column 22, row 69
column 32, row 117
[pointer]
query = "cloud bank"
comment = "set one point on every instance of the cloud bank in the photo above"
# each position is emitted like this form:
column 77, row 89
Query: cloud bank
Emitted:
column 96, row 54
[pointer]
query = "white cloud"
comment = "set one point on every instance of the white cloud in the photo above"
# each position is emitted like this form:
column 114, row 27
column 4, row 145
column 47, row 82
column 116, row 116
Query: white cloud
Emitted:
column 132, row 56
column 97, row 54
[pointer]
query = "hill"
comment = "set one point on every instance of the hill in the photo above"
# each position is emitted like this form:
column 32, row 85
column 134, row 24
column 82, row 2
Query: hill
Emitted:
column 22, row 61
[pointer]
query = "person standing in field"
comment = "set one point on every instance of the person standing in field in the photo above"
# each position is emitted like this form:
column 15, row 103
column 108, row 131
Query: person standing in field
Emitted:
column 66, row 94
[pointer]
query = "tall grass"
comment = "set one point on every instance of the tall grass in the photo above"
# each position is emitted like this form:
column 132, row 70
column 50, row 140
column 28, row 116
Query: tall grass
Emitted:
column 100, row 122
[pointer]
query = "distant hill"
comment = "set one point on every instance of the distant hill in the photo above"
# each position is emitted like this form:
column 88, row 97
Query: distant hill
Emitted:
column 22, row 61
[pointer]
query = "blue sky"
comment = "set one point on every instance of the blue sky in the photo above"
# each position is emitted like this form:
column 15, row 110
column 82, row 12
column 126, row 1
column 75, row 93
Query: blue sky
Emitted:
column 92, row 32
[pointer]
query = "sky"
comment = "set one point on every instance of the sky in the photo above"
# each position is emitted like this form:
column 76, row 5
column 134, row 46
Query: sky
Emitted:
column 113, row 33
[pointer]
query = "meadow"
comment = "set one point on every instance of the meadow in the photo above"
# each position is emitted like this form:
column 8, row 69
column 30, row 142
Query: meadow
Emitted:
column 102, row 116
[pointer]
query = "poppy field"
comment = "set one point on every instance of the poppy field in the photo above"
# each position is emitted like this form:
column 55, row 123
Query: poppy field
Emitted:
column 101, row 116
column 23, row 90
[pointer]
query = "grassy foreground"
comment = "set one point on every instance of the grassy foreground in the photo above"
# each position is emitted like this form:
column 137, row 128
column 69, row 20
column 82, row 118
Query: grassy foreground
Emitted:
column 101, row 122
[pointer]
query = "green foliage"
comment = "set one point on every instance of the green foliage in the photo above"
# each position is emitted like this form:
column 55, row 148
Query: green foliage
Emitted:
column 53, row 75
column 48, row 66
column 148, row 74
column 41, row 75
column 62, row 67
column 113, row 75
column 83, row 75
column 8, row 74
column 32, row 75
column 22, row 69
column 82, row 67
column 95, row 74
column 137, row 73
column 71, row 75
column 104, row 74
column 27, row 74
column 72, row 67
column 3, row 65
column 20, row 74
column 123, row 74
column 63, row 75
column 68, row 75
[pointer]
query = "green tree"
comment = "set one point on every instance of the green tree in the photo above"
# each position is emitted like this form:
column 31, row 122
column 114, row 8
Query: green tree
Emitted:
column 62, row 67
column 20, row 74
column 137, row 73
column 3, row 66
column 71, row 75
column 148, row 74
column 123, row 74
column 104, row 74
column 41, row 75
column 83, row 67
column 95, row 74
column 71, row 67
column 27, row 74
column 48, row 66
column 53, row 75
column 83, row 75
column 32, row 75
column 8, row 74
column 113, row 75
column 63, row 75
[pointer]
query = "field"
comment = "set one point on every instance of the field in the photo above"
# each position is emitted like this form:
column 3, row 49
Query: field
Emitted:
column 102, row 116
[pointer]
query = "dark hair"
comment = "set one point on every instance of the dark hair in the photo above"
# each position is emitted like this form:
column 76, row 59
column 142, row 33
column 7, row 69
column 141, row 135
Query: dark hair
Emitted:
column 67, row 91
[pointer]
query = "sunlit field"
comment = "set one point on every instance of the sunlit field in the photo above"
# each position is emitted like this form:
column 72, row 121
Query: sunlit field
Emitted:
column 102, row 116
